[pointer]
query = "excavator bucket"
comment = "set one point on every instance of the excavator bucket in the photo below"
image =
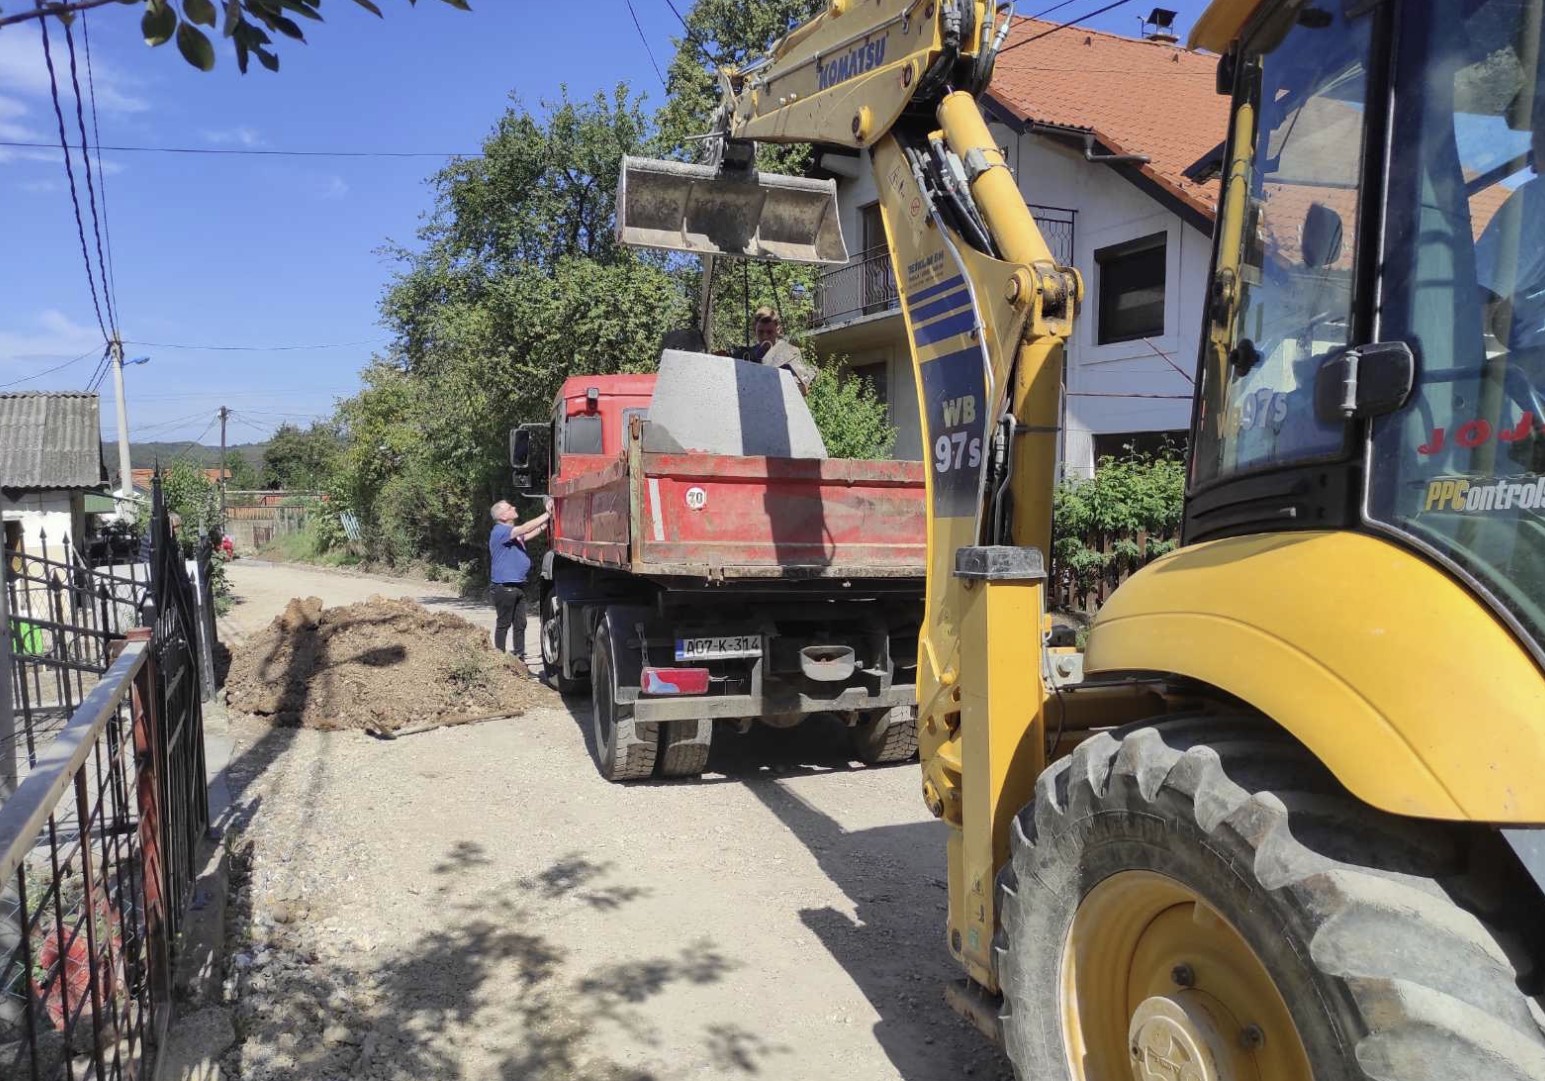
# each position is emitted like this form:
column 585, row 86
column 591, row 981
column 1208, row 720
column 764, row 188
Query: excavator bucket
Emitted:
column 695, row 208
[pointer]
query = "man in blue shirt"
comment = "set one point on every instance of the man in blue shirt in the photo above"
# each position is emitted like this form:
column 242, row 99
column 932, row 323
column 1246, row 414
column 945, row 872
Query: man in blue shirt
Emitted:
column 509, row 568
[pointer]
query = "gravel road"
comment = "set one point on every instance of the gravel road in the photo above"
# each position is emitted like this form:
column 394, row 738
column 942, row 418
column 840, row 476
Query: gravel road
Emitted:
column 476, row 903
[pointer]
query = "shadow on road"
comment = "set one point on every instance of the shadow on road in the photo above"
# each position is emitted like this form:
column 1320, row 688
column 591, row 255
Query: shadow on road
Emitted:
column 484, row 995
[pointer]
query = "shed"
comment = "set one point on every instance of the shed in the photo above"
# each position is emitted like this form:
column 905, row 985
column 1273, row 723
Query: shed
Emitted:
column 50, row 458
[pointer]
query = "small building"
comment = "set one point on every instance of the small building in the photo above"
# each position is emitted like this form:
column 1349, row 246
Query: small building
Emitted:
column 50, row 458
column 1106, row 136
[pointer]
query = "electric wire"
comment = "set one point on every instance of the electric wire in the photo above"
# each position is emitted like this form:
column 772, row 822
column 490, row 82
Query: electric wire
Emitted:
column 69, row 170
column 1063, row 26
column 256, row 348
column 96, row 135
column 230, row 151
column 91, row 188
column 49, row 371
column 639, row 27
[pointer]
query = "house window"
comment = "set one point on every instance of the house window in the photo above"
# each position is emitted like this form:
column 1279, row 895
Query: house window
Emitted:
column 1131, row 290
column 877, row 376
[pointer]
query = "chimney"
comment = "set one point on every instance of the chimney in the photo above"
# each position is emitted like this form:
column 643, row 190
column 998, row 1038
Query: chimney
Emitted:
column 1160, row 26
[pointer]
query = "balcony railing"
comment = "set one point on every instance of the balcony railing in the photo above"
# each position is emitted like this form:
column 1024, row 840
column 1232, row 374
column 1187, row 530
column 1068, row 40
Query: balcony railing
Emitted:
column 865, row 284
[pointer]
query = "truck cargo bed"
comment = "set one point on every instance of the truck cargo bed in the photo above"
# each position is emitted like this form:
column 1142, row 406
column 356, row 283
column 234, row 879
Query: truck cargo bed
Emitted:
column 716, row 517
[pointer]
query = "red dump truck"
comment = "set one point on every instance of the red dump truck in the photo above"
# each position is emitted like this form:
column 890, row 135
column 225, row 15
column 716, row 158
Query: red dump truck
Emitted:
column 710, row 566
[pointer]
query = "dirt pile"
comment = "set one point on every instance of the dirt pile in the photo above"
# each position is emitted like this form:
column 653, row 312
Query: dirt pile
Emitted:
column 380, row 664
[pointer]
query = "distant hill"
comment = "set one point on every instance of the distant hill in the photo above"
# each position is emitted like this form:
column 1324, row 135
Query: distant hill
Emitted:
column 147, row 455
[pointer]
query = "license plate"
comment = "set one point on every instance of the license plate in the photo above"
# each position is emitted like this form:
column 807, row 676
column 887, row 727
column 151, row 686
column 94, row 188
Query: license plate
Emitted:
column 714, row 649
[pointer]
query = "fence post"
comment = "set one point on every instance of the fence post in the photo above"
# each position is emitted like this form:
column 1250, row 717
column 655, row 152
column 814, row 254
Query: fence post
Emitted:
column 150, row 759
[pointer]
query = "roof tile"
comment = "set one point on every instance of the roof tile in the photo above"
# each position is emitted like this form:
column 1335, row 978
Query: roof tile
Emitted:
column 1136, row 96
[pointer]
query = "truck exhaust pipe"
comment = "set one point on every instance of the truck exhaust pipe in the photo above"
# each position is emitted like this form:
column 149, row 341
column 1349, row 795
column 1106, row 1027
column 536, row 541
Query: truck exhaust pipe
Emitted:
column 704, row 211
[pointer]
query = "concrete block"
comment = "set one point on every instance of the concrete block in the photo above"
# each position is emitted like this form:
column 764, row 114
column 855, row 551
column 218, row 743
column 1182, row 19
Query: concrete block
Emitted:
column 718, row 405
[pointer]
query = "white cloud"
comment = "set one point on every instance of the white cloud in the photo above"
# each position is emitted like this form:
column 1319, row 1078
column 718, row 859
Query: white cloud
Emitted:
column 239, row 136
column 12, row 123
column 334, row 187
column 41, row 186
column 51, row 339
column 23, row 71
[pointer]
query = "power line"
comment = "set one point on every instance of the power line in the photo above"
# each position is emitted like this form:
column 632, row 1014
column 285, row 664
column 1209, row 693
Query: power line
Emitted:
column 652, row 61
column 1054, row 7
column 69, row 169
column 1064, row 26
column 245, row 151
column 49, row 371
column 91, row 189
column 96, row 134
column 692, row 39
column 257, row 348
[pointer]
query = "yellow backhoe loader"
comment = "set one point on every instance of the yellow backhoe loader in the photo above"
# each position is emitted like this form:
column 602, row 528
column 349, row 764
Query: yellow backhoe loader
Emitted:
column 1280, row 820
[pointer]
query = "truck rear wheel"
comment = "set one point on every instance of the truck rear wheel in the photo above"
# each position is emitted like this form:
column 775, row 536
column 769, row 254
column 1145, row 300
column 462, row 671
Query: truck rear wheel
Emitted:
column 886, row 735
column 684, row 747
column 1199, row 898
column 624, row 749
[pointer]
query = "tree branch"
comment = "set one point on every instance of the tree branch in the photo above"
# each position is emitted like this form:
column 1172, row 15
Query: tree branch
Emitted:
column 55, row 9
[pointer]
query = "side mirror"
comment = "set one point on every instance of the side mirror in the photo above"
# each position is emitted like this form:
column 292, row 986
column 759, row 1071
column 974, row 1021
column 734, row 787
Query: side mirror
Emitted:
column 530, row 458
column 1365, row 381
column 1320, row 239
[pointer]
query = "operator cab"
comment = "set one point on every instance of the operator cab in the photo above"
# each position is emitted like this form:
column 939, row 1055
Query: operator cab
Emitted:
column 1374, row 354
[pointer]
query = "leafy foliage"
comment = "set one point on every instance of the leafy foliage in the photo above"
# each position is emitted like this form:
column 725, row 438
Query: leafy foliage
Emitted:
column 193, row 497
column 247, row 24
column 853, row 421
column 1107, row 526
column 300, row 458
column 519, row 284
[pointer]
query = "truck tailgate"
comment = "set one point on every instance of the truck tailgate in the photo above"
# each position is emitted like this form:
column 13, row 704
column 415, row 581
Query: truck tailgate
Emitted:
column 762, row 517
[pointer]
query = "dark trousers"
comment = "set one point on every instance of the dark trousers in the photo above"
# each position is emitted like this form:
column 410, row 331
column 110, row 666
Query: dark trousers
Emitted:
column 510, row 614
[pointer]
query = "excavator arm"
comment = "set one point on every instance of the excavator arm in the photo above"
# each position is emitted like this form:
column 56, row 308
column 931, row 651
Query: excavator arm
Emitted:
column 987, row 311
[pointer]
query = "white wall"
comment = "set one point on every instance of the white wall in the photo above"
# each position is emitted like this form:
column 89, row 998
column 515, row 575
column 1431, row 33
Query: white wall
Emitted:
column 1127, row 387
column 46, row 519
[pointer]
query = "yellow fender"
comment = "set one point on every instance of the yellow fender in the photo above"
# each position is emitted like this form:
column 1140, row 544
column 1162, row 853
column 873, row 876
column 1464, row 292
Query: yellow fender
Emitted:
column 1391, row 673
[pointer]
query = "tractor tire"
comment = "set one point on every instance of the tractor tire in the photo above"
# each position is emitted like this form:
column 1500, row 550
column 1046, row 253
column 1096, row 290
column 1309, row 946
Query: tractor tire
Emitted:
column 550, row 633
column 684, row 747
column 886, row 735
column 624, row 750
column 1200, row 897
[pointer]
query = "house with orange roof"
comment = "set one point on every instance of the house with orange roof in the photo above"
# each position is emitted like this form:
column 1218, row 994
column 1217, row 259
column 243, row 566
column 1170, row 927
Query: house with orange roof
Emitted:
column 1105, row 135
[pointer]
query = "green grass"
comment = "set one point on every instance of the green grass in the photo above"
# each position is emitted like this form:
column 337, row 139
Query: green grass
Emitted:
column 306, row 547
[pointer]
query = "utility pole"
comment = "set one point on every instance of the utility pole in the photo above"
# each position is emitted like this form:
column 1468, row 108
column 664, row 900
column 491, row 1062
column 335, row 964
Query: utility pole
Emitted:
column 125, row 472
column 224, row 413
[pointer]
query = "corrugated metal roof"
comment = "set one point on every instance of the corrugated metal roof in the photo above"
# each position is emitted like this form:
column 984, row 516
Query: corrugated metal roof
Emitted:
column 50, row 440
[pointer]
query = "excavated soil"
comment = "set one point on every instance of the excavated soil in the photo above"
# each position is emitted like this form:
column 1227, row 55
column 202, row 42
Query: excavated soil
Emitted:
column 381, row 664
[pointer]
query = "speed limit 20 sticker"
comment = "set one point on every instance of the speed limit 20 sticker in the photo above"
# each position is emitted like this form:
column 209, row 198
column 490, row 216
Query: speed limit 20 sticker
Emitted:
column 956, row 392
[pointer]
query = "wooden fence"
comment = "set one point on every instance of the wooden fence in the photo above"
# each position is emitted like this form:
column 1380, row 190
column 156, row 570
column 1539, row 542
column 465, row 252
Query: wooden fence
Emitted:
column 1112, row 558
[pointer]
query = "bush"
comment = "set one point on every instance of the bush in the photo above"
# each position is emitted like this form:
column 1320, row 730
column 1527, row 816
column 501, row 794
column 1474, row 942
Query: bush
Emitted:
column 853, row 421
column 1107, row 526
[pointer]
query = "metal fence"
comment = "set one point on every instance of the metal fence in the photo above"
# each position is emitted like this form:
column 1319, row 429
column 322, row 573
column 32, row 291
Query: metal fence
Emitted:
column 866, row 284
column 100, row 814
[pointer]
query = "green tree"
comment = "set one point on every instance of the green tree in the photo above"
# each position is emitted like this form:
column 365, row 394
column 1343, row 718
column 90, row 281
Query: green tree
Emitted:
column 246, row 24
column 853, row 421
column 300, row 458
column 241, row 475
column 193, row 497
column 518, row 283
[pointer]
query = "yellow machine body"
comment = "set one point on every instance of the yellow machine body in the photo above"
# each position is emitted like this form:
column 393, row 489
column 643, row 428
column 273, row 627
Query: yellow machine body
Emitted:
column 1366, row 653
column 1360, row 649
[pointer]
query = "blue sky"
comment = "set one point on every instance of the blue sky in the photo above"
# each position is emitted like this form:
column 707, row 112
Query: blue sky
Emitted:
column 255, row 251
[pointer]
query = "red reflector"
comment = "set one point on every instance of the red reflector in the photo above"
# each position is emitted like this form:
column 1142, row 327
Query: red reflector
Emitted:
column 675, row 681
